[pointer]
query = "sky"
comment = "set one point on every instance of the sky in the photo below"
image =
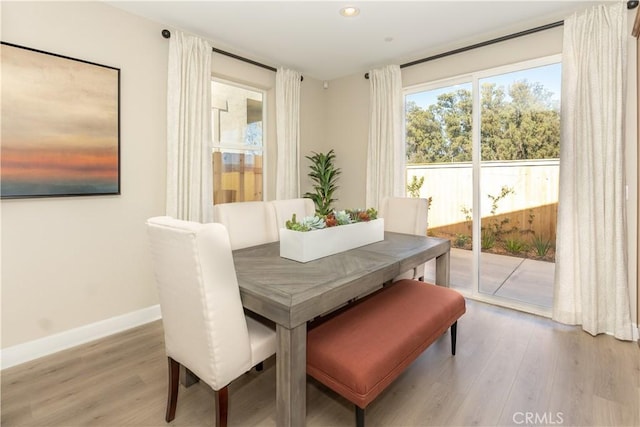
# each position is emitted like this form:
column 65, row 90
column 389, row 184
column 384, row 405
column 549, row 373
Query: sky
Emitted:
column 548, row 75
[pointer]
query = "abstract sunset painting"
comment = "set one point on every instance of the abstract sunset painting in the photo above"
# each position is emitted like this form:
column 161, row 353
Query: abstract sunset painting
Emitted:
column 60, row 125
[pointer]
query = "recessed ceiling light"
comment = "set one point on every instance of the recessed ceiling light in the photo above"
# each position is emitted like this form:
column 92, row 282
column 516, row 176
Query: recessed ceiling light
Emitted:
column 349, row 11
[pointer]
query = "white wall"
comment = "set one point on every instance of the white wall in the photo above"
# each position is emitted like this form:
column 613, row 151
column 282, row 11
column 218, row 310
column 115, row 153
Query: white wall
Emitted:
column 313, row 125
column 347, row 125
column 67, row 262
column 347, row 132
column 72, row 262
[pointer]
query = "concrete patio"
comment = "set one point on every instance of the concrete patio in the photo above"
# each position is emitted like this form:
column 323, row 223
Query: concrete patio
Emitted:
column 524, row 280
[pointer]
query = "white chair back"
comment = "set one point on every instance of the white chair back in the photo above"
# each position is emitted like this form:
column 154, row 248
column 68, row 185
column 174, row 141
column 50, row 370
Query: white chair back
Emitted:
column 203, row 319
column 284, row 210
column 406, row 215
column 248, row 223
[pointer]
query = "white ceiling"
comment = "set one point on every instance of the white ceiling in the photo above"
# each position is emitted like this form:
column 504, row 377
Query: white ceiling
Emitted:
column 312, row 37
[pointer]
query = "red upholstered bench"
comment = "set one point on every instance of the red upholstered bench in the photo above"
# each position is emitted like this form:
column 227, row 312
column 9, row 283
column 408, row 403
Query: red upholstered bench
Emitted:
column 361, row 350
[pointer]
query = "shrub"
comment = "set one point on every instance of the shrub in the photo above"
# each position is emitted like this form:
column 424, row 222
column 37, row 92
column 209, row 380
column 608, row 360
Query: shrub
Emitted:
column 541, row 245
column 414, row 187
column 461, row 240
column 515, row 245
column 488, row 239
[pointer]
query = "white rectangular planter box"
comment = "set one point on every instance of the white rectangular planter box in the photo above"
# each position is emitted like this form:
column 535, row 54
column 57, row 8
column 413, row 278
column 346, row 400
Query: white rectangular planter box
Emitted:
column 304, row 246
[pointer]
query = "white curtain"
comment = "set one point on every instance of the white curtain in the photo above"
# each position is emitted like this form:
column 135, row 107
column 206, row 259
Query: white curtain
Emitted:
column 288, row 133
column 385, row 156
column 591, row 287
column 189, row 174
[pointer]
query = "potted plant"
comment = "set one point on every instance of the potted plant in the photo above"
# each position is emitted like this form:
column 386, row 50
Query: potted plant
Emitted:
column 314, row 237
column 324, row 175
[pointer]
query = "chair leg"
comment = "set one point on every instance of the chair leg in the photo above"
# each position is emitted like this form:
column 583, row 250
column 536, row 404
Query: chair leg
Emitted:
column 172, row 395
column 188, row 378
column 359, row 416
column 222, row 406
column 454, row 332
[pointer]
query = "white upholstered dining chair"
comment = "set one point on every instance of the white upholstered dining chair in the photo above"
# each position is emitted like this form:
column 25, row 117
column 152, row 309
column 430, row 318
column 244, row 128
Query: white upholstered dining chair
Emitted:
column 248, row 223
column 406, row 215
column 284, row 210
column 205, row 327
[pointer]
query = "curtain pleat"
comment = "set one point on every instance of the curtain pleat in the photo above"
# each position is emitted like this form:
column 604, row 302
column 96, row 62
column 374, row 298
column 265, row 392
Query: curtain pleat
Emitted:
column 189, row 145
column 591, row 280
column 288, row 133
column 385, row 154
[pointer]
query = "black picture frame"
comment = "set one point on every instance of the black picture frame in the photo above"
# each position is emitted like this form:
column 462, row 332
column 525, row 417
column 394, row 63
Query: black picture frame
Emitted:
column 60, row 125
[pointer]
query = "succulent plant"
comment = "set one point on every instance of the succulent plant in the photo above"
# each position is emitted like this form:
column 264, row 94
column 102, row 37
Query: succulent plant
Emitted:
column 373, row 214
column 307, row 223
column 294, row 225
column 342, row 217
column 313, row 222
column 360, row 215
column 331, row 220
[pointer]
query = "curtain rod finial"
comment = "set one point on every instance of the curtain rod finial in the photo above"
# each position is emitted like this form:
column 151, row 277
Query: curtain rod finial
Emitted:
column 166, row 34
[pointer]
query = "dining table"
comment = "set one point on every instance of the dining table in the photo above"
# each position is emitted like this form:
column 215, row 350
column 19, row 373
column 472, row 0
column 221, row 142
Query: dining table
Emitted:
column 292, row 293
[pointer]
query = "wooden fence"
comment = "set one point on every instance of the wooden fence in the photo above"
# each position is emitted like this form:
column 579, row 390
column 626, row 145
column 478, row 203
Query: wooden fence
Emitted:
column 540, row 220
column 236, row 179
column 533, row 196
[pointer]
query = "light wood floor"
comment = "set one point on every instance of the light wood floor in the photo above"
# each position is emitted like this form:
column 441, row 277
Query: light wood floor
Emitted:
column 509, row 366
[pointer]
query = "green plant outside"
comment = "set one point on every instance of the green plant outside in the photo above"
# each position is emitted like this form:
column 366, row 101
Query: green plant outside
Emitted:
column 488, row 239
column 414, row 187
column 461, row 240
column 515, row 245
column 541, row 245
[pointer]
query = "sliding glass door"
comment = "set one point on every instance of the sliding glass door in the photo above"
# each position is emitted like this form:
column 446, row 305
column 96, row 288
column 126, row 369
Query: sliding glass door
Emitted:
column 439, row 166
column 484, row 148
column 518, row 186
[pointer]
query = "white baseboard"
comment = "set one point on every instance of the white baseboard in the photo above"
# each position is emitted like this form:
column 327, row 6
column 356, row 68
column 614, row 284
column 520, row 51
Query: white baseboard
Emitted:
column 21, row 353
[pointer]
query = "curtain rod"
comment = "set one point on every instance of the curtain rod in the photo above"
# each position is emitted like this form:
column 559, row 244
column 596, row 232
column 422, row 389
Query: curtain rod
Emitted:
column 481, row 44
column 167, row 34
column 630, row 5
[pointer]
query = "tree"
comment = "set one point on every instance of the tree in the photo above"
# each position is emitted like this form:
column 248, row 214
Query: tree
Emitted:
column 453, row 112
column 424, row 136
column 520, row 123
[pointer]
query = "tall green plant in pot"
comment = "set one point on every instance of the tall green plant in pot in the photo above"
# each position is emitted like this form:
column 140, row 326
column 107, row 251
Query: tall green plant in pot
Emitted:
column 324, row 175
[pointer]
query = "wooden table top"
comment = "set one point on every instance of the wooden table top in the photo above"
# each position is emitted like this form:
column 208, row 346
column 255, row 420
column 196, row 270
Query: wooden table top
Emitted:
column 290, row 293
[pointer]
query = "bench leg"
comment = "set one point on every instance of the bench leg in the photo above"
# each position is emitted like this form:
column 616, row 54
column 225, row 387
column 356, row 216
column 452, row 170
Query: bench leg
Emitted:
column 359, row 416
column 454, row 330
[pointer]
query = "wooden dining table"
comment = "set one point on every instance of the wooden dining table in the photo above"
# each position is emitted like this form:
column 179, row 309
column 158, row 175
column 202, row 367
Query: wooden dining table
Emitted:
column 291, row 293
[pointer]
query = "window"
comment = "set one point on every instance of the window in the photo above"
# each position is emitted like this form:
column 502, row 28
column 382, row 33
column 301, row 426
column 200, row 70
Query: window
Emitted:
column 238, row 142
column 484, row 148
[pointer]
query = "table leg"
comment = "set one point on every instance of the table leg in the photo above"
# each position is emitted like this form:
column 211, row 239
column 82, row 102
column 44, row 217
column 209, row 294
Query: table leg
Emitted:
column 442, row 269
column 291, row 376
